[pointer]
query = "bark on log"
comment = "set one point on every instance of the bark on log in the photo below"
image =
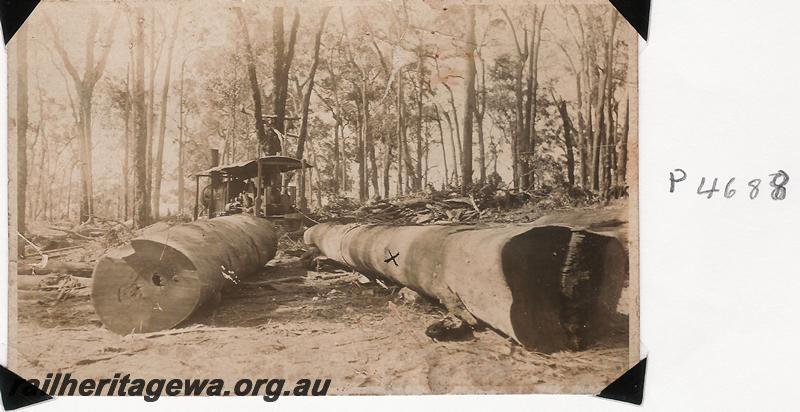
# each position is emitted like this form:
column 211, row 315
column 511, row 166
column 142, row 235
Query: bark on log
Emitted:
column 161, row 279
column 550, row 288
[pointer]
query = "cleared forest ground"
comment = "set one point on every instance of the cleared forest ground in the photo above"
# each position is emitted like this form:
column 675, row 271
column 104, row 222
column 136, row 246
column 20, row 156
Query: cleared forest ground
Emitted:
column 291, row 322
column 297, row 323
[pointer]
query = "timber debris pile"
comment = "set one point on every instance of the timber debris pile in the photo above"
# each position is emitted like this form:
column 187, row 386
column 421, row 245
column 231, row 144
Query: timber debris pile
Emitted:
column 492, row 201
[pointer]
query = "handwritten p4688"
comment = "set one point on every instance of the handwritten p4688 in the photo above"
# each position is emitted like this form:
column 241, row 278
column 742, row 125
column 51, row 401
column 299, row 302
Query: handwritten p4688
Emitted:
column 775, row 185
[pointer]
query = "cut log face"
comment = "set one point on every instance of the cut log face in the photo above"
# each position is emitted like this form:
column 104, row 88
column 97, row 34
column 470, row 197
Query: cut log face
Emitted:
column 550, row 288
column 161, row 279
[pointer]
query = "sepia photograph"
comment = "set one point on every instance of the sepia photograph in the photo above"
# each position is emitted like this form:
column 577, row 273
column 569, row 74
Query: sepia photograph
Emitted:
column 356, row 197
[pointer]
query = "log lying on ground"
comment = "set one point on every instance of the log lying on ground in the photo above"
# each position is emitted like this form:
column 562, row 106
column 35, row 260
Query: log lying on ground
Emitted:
column 550, row 288
column 162, row 278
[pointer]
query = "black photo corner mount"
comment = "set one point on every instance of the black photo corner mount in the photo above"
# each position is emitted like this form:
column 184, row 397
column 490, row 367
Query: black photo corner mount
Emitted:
column 13, row 14
column 629, row 387
column 637, row 12
column 17, row 392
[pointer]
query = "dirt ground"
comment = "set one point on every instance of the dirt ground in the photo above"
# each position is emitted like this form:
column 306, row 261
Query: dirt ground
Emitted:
column 290, row 322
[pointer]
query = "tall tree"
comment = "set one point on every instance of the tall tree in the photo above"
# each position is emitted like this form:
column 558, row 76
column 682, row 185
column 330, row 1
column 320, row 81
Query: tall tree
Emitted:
column 469, row 58
column 441, row 142
column 182, row 135
column 622, row 164
column 401, row 131
column 520, row 140
column 529, row 128
column 309, row 87
column 283, row 55
column 420, row 116
column 608, row 144
column 480, row 114
column 268, row 142
column 21, row 46
column 84, row 87
column 141, row 209
column 603, row 88
column 454, row 149
column 158, row 175
column 121, row 100
column 360, row 89
column 568, row 139
column 154, row 59
column 128, row 113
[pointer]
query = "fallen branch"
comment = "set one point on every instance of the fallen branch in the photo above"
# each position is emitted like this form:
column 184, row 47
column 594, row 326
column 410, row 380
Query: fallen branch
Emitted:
column 43, row 262
column 105, row 219
column 182, row 331
column 71, row 232
column 57, row 252
column 79, row 269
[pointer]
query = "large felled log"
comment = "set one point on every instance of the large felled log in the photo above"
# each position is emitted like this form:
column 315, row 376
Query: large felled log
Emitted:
column 550, row 288
column 162, row 278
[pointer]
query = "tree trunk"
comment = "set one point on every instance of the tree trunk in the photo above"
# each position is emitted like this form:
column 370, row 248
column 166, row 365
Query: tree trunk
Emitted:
column 345, row 164
column 568, row 128
column 162, row 127
column 536, row 41
column 128, row 113
column 336, row 159
column 581, row 132
column 604, row 87
column 460, row 152
column 141, row 212
column 410, row 173
column 583, row 146
column 43, row 176
column 369, row 145
column 441, row 142
column 400, row 126
column 69, row 192
column 34, row 200
column 519, row 138
column 469, row 110
column 622, row 164
column 303, row 135
column 284, row 54
column 608, row 148
column 21, row 46
column 596, row 144
column 452, row 146
column 387, row 162
column 427, row 157
column 420, row 80
column 526, row 154
column 362, row 160
column 480, row 112
column 266, row 141
column 151, row 105
column 316, row 188
column 87, row 192
column 181, row 139
column 84, row 87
